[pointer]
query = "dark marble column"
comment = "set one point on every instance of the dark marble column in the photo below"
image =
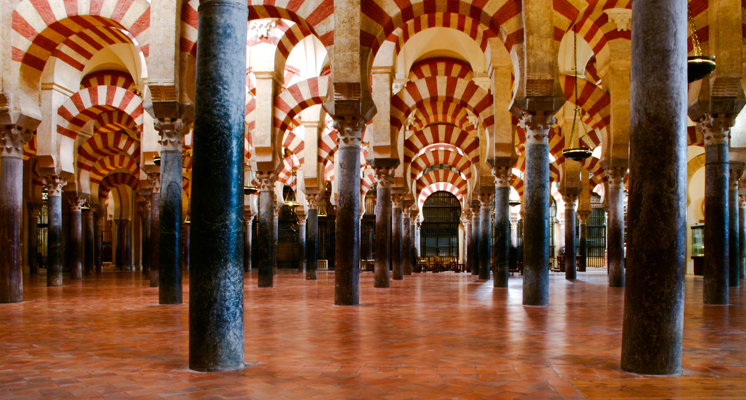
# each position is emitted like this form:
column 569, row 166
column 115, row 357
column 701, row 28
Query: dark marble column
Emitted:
column 656, row 217
column 155, row 227
column 302, row 241
column 717, row 257
column 615, row 229
column 121, row 235
column 275, row 236
column 11, row 212
column 733, row 228
column 54, row 230
column 475, row 227
column 466, row 223
column 187, row 238
column 536, row 209
column 216, row 318
column 127, row 245
column 396, row 239
column 88, row 242
column 312, row 236
column 347, row 250
column 384, row 178
column 742, row 236
column 34, row 210
column 571, row 201
column 406, row 242
column 265, row 234
column 485, row 235
column 145, row 211
column 248, row 217
column 170, row 204
column 583, row 241
column 98, row 257
column 412, row 243
column 502, row 226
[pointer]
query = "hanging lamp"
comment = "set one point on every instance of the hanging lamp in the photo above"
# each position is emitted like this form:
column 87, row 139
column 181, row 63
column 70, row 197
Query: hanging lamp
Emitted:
column 290, row 199
column 249, row 187
column 576, row 153
column 699, row 66
column 157, row 160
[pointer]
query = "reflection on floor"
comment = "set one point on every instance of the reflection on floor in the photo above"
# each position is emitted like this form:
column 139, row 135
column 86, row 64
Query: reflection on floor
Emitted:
column 430, row 336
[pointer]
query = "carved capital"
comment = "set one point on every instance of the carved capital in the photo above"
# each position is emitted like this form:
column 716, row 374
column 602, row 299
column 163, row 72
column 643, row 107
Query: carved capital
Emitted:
column 313, row 201
column 398, row 85
column 485, row 200
column 396, row 200
column 502, row 176
column 248, row 216
column 276, row 211
column 302, row 216
column 716, row 129
column 266, row 180
column 742, row 202
column 76, row 204
column 537, row 127
column 350, row 131
column 54, row 185
column 616, row 176
column 406, row 213
column 571, row 200
column 734, row 177
column 155, row 182
column 12, row 138
column 263, row 27
column 144, row 204
column 384, row 176
column 622, row 18
column 172, row 133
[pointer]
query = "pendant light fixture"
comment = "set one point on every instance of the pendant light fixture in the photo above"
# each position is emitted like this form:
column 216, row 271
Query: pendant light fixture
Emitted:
column 699, row 66
column 157, row 160
column 576, row 153
column 249, row 187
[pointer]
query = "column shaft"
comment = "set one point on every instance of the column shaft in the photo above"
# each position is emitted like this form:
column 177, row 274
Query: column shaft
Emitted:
column 615, row 239
column 742, row 238
column 169, row 244
column 396, row 240
column 248, row 220
column 145, row 237
column 583, row 244
column 33, row 238
column 128, row 245
column 656, row 222
column 302, row 243
column 485, row 236
column 275, row 238
column 185, row 250
column 474, row 253
column 121, row 245
column 502, row 231
column 264, row 237
column 406, row 243
column 155, row 229
column 54, row 232
column 312, row 241
column 88, row 240
column 98, row 257
column 717, row 258
column 11, row 223
column 216, row 318
column 570, row 266
column 383, row 228
column 734, row 259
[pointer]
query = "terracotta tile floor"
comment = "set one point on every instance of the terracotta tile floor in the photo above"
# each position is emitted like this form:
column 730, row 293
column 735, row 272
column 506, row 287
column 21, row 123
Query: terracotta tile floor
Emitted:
column 431, row 336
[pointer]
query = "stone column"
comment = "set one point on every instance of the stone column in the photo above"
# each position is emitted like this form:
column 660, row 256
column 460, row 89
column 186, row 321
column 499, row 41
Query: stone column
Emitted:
column 128, row 245
column 485, row 235
column 475, row 227
column 742, row 236
column 88, row 242
column 412, row 242
column 583, row 245
column 54, row 186
column 571, row 201
column 418, row 239
column 302, row 241
column 347, row 252
column 170, row 204
column 145, row 210
column 734, row 252
column 187, row 238
column 312, row 236
column 265, row 243
column 384, row 178
column 536, row 208
column 155, row 236
column 11, row 211
column 615, row 229
column 98, row 257
column 33, row 237
column 654, row 296
column 248, row 217
column 466, row 222
column 717, row 257
column 216, row 329
column 502, row 226
column 406, row 241
column 275, row 236
column 119, row 226
column 396, row 240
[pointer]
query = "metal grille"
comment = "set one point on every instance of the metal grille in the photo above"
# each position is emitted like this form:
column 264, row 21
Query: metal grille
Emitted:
column 596, row 237
column 439, row 233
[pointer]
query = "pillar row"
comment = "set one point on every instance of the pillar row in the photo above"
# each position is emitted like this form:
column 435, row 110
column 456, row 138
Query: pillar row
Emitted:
column 312, row 236
column 88, row 239
column 466, row 223
column 501, row 251
column 144, row 209
column 396, row 238
column 54, row 186
column 485, row 235
column 155, row 198
column 474, row 253
column 406, row 241
column 98, row 258
column 615, row 239
column 384, row 178
column 571, row 201
column 34, row 209
column 75, row 240
column 265, row 234
column 302, row 219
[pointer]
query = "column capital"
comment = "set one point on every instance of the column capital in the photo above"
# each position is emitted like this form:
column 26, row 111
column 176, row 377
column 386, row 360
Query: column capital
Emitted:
column 302, row 216
column 384, row 176
column 12, row 138
column 406, row 212
column 276, row 211
column 77, row 203
column 616, row 176
column 155, row 182
column 54, row 184
column 734, row 177
column 266, row 179
column 350, row 130
column 248, row 216
column 396, row 200
column 537, row 127
column 583, row 217
column 502, row 176
column 571, row 200
column 144, row 204
column 313, row 201
column 716, row 129
column 485, row 200
column 172, row 131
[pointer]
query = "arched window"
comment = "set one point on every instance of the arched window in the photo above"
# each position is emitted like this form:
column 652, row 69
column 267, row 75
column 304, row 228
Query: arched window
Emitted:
column 439, row 234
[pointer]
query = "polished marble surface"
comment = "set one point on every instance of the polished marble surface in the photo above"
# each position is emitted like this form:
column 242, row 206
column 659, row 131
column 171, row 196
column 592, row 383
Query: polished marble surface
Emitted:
column 430, row 336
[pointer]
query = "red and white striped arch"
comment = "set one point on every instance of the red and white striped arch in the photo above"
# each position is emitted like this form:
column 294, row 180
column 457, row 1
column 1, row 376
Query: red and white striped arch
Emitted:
column 442, row 133
column 29, row 148
column 105, row 165
column 440, row 156
column 113, row 180
column 501, row 18
column 440, row 88
column 441, row 66
column 592, row 99
column 40, row 26
column 554, row 172
column 442, row 175
column 116, row 120
column 106, row 144
column 109, row 78
column 439, row 187
column 448, row 112
column 86, row 104
column 314, row 16
column 462, row 23
column 328, row 144
column 297, row 98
